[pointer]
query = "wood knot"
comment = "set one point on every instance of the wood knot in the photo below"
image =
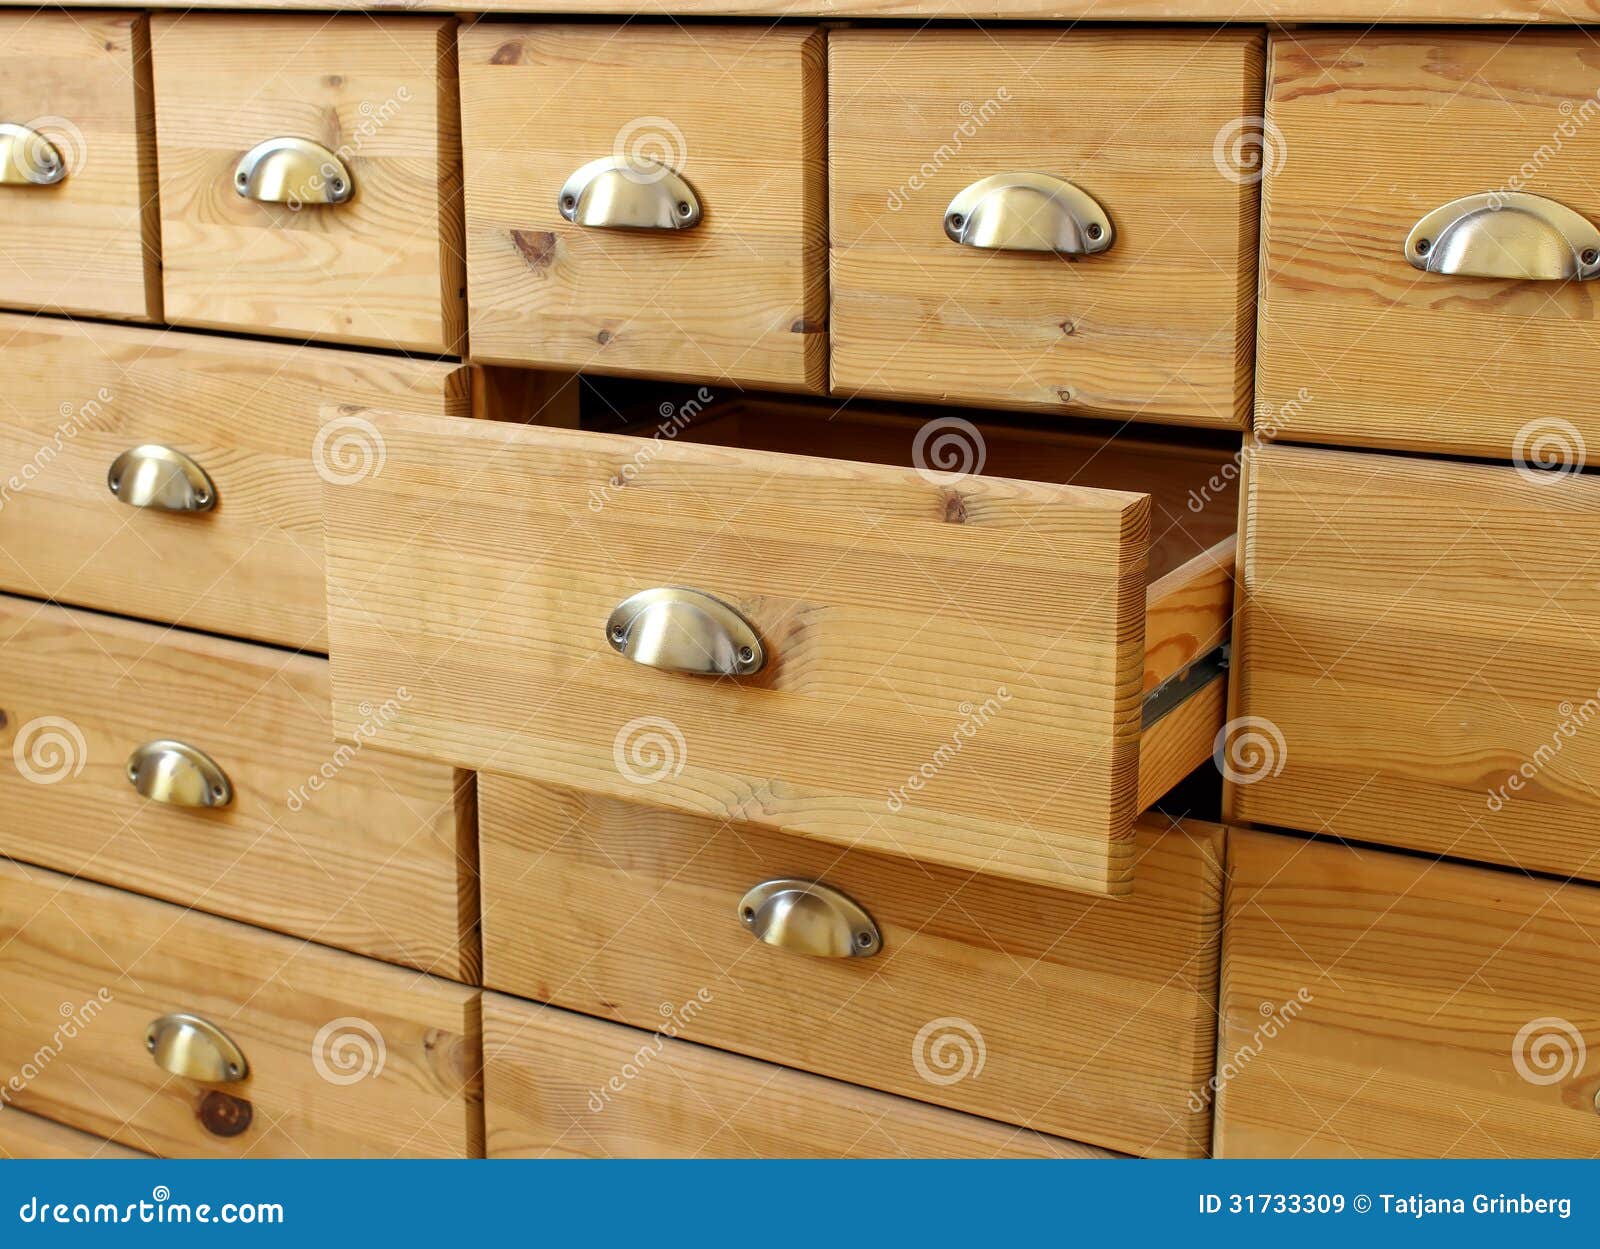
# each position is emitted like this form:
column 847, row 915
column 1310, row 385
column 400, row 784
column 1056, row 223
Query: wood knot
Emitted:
column 509, row 53
column 604, row 337
column 804, row 326
column 538, row 247
column 955, row 508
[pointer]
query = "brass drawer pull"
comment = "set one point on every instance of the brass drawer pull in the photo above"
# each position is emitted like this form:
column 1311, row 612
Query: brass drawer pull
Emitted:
column 27, row 158
column 178, row 774
column 629, row 194
column 161, row 478
column 196, row 1049
column 287, row 170
column 683, row 630
column 808, row 917
column 1506, row 234
column 1028, row 212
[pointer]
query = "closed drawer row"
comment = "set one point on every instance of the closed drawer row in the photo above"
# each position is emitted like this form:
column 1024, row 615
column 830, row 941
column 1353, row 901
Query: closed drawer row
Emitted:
column 622, row 215
column 474, row 178
column 1372, row 1004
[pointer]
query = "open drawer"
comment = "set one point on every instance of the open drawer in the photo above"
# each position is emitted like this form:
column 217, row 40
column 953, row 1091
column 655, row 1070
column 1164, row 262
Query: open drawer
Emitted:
column 849, row 637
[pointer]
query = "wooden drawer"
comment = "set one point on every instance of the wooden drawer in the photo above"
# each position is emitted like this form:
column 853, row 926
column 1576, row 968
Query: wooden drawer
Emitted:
column 254, row 417
column 27, row 1136
column 343, row 845
column 343, row 1057
column 1090, row 1019
column 384, row 266
column 1374, row 131
column 736, row 113
column 1414, row 1008
column 1156, row 324
column 558, row 1085
column 930, row 637
column 84, row 236
column 1417, row 657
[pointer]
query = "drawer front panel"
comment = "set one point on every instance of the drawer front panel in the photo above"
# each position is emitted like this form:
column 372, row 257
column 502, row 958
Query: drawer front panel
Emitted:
column 27, row 1136
column 1376, row 131
column 378, row 95
column 913, row 630
column 1415, row 1008
column 1158, row 325
column 342, row 1057
column 258, row 419
column 738, row 114
column 1089, row 1019
column 1418, row 656
column 558, row 1085
column 85, row 241
column 345, row 846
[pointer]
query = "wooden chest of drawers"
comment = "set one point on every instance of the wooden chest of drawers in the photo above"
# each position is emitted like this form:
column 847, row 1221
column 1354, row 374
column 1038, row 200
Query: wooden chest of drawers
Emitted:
column 555, row 600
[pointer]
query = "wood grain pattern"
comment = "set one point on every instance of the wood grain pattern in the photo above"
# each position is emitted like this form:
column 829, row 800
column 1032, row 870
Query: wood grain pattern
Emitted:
column 385, row 268
column 77, row 395
column 1095, row 1015
column 1357, row 346
column 554, row 1087
column 88, row 244
column 1189, row 611
column 1419, row 636
column 1432, row 988
column 1373, row 11
column 1158, row 327
column 1180, row 741
column 28, row 1136
column 297, row 1011
column 739, row 112
column 346, row 846
column 893, row 607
